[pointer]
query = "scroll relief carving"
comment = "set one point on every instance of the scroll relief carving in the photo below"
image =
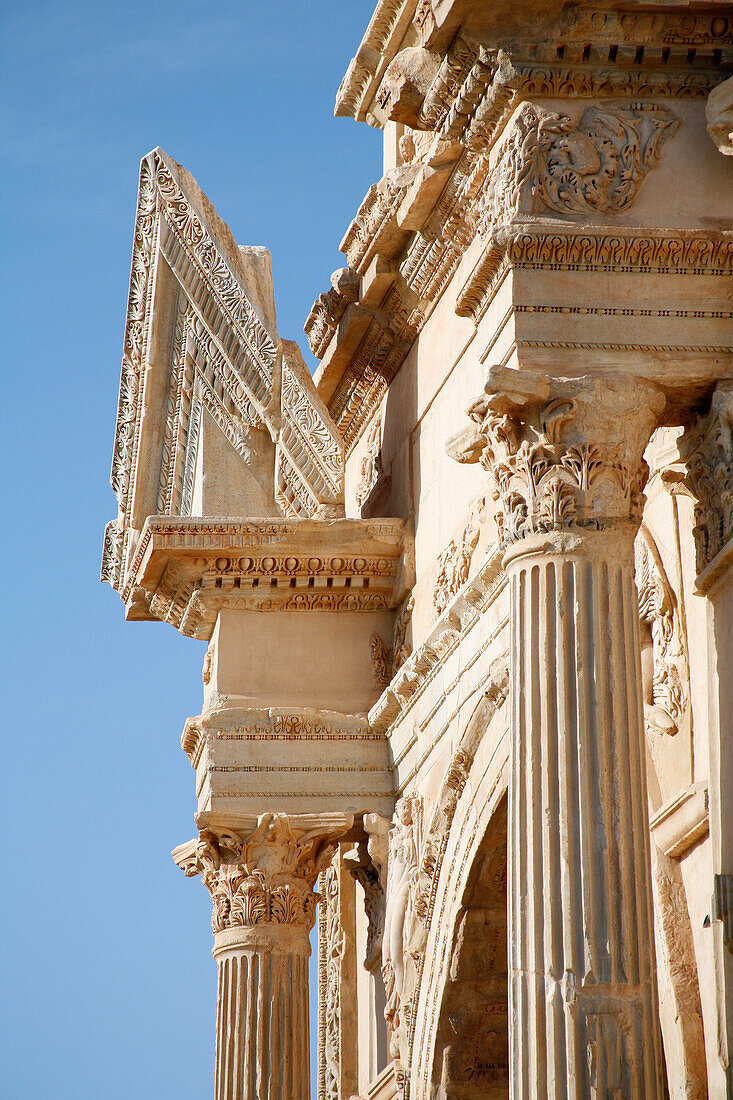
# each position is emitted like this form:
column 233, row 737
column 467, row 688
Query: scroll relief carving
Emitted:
column 331, row 951
column 658, row 609
column 537, row 438
column 454, row 563
column 594, row 166
column 707, row 449
column 371, row 474
column 265, row 876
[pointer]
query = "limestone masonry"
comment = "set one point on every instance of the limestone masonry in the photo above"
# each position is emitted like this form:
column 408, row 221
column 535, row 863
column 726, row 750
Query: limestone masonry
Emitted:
column 468, row 593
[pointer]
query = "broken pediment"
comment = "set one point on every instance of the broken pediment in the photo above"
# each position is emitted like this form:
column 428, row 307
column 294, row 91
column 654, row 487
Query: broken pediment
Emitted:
column 217, row 416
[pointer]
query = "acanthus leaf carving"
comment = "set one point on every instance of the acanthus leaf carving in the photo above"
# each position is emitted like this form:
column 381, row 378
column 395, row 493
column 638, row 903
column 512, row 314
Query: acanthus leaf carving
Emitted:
column 263, row 876
column 548, row 162
column 555, row 463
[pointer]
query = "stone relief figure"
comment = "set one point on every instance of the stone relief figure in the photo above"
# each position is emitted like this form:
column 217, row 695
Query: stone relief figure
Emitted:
column 404, row 846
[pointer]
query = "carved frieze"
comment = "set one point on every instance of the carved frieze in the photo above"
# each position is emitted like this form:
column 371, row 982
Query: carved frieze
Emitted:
column 185, row 570
column 549, row 162
column 223, row 357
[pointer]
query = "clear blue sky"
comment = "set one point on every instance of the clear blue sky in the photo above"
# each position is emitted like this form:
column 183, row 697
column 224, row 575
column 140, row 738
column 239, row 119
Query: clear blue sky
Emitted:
column 108, row 984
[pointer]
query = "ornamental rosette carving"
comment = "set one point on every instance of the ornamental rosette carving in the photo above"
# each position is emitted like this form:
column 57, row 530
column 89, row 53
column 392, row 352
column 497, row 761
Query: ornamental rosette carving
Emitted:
column 265, row 876
column 562, row 453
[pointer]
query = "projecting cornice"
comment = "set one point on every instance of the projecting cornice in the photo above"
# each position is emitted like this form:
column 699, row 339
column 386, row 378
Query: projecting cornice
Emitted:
column 185, row 571
column 380, row 43
column 488, row 172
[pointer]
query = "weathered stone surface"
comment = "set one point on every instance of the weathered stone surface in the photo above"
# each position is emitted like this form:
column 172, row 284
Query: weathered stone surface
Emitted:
column 472, row 669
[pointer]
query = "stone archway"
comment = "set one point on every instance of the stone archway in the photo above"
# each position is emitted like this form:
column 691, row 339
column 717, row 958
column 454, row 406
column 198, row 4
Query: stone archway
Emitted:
column 472, row 1042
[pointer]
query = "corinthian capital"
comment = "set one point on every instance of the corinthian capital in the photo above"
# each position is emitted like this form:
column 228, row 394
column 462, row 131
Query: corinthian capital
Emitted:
column 263, row 874
column 562, row 452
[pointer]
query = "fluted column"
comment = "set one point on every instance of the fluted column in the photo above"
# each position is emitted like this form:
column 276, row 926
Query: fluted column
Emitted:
column 261, row 883
column 566, row 459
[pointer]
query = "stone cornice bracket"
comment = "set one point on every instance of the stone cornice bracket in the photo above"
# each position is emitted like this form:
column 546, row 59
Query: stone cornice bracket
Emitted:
column 563, row 453
column 263, row 874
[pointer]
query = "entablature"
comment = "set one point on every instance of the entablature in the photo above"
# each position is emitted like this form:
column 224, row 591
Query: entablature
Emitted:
column 185, row 571
column 532, row 126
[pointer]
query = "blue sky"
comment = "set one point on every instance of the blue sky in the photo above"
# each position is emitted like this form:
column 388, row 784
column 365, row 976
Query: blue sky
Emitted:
column 108, row 983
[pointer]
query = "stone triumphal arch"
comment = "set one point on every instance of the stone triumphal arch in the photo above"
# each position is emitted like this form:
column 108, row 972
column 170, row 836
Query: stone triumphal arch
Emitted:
column 467, row 592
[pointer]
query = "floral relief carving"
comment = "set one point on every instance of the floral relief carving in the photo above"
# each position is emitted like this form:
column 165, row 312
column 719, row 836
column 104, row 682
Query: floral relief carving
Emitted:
column 331, row 943
column 548, row 162
column 454, row 563
column 370, row 469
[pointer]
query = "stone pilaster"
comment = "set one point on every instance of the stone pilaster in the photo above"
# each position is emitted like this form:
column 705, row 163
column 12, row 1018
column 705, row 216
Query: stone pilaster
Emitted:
column 261, row 882
column 566, row 460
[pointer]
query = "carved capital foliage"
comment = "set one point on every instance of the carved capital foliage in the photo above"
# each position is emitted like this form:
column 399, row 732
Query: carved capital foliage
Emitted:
column 707, row 449
column 265, row 875
column 562, row 453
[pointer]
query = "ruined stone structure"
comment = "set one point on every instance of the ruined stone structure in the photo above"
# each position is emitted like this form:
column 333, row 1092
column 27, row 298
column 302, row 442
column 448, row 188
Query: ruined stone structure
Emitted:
column 468, row 593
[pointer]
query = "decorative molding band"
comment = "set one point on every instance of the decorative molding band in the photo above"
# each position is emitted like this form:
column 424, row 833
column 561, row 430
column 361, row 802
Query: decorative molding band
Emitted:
column 593, row 248
column 184, row 571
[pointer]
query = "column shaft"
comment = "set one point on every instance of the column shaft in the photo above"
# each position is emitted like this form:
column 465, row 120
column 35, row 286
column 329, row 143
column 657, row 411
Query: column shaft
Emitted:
column 582, row 980
column 262, row 1033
